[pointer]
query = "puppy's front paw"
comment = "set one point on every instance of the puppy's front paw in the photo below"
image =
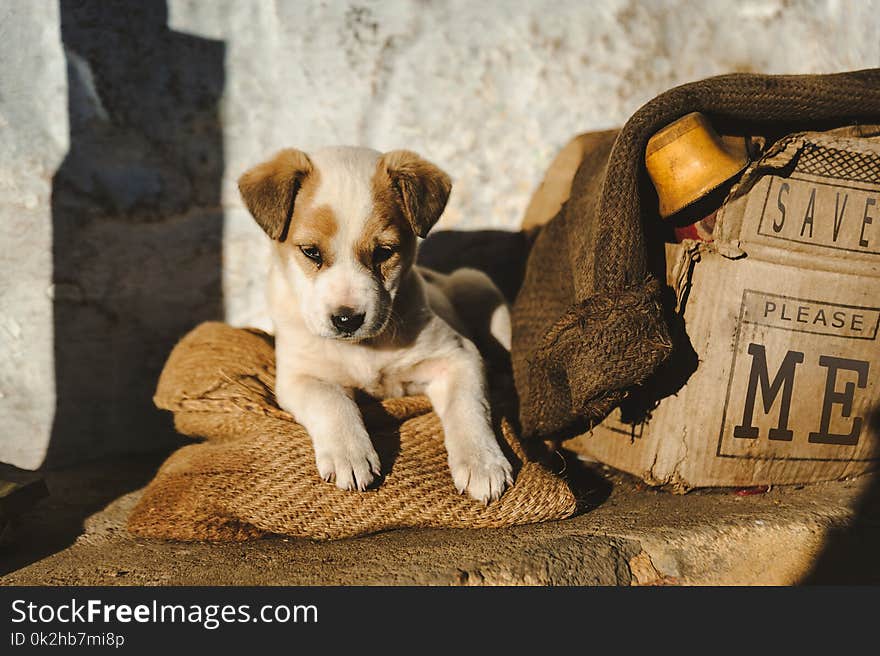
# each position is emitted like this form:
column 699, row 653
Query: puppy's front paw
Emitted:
column 481, row 470
column 351, row 463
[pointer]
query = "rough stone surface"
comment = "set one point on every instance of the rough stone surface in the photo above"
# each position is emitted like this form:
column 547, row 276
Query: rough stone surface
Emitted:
column 629, row 535
column 157, row 107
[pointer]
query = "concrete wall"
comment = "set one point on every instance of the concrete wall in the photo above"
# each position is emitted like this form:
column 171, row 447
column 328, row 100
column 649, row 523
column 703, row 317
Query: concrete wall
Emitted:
column 119, row 216
column 33, row 141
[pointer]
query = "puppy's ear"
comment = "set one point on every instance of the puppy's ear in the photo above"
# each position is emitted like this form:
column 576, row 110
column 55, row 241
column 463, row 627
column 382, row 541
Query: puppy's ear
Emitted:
column 269, row 190
column 423, row 188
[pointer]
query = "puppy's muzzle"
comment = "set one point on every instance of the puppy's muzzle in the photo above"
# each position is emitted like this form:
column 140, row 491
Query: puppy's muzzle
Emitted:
column 346, row 321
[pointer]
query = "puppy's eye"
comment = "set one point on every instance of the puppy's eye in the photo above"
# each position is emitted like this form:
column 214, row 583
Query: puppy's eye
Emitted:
column 382, row 253
column 313, row 253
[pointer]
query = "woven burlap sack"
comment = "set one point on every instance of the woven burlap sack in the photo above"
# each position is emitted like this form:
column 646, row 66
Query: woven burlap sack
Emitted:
column 588, row 322
column 255, row 472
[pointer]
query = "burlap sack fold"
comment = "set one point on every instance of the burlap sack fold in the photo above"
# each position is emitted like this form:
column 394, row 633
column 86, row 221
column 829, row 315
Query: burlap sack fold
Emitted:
column 255, row 472
column 588, row 321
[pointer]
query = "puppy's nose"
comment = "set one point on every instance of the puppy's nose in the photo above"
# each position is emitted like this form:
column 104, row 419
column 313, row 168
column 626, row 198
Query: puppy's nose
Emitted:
column 346, row 321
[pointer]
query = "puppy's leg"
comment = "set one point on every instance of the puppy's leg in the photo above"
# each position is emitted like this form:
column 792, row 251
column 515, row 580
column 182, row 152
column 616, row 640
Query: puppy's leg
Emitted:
column 481, row 306
column 343, row 450
column 458, row 393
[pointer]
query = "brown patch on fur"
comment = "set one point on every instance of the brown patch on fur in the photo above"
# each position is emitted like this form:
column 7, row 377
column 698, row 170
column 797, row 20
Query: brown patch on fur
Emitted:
column 271, row 189
column 388, row 226
column 313, row 226
column 422, row 188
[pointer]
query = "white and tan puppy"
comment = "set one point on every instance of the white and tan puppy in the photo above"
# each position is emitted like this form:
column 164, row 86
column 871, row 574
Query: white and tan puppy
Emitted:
column 352, row 312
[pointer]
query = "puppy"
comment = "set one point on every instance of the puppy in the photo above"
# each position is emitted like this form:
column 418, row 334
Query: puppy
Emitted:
column 352, row 312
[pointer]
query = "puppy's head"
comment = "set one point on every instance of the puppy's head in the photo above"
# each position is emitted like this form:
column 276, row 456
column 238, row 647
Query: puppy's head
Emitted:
column 345, row 223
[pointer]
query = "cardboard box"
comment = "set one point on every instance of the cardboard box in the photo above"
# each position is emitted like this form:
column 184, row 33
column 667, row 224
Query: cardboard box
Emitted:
column 782, row 311
column 555, row 187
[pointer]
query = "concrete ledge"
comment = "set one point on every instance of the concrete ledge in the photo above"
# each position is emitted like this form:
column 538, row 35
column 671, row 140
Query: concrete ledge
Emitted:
column 631, row 535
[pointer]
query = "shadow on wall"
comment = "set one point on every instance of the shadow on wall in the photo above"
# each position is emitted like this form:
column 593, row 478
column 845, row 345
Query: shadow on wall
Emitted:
column 137, row 224
column 500, row 254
